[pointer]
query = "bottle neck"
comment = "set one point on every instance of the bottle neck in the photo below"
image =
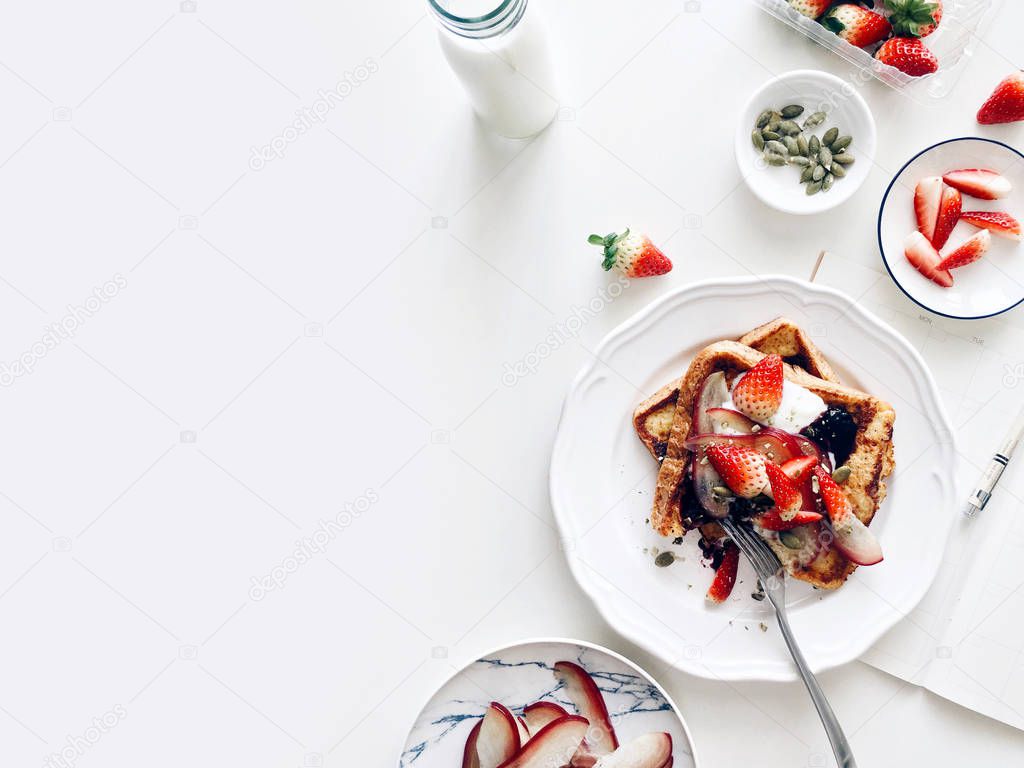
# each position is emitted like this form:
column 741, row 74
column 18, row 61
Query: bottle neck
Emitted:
column 503, row 16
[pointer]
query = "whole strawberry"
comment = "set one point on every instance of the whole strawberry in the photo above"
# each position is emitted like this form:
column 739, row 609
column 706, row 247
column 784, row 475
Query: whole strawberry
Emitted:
column 758, row 393
column 812, row 9
column 914, row 18
column 907, row 54
column 856, row 25
column 1006, row 104
column 633, row 255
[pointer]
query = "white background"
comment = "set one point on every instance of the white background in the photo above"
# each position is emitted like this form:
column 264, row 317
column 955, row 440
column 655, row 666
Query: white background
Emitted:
column 294, row 338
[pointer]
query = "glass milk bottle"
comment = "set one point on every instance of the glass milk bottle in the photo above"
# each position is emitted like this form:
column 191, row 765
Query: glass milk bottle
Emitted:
column 499, row 49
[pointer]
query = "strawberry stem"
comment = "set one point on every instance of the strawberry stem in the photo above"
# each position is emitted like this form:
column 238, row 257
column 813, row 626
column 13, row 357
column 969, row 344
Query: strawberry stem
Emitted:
column 610, row 245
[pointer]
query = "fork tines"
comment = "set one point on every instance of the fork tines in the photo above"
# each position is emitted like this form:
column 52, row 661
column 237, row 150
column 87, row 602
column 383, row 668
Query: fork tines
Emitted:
column 765, row 563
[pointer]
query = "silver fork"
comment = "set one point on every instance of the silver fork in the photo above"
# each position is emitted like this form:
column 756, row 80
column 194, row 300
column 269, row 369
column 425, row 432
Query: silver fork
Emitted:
column 769, row 571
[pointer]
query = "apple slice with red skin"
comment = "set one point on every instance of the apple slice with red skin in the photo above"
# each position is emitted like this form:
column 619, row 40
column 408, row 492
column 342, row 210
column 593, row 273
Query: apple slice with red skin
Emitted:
column 772, row 443
column 652, row 750
column 498, row 739
column 852, row 537
column 540, row 713
column 524, row 732
column 713, row 391
column 552, row 746
column 730, row 422
column 470, row 758
column 584, row 693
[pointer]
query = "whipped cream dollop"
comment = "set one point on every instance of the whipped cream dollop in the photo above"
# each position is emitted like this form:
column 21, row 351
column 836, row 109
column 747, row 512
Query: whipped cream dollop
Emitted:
column 799, row 407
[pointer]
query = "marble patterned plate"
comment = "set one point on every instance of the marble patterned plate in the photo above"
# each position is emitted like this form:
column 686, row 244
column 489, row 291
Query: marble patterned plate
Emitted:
column 521, row 674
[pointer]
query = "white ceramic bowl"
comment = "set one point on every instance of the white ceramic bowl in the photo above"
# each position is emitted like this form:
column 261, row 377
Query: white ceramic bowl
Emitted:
column 779, row 187
column 990, row 286
column 602, row 479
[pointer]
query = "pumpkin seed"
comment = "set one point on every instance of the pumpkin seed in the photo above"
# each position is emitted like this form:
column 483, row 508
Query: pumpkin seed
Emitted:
column 841, row 143
column 757, row 139
column 814, row 188
column 790, row 540
column 777, row 147
column 843, row 159
column 791, row 145
column 827, row 182
column 774, row 159
column 819, row 173
column 789, row 128
column 721, row 490
column 825, row 158
column 763, row 118
column 799, row 160
column 813, row 145
column 801, row 144
column 830, row 135
column 769, row 135
column 792, row 110
column 814, row 120
column 838, row 171
column 806, row 175
column 842, row 474
column 665, row 559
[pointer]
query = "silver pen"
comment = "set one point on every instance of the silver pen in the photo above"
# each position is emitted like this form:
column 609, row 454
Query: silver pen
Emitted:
column 995, row 468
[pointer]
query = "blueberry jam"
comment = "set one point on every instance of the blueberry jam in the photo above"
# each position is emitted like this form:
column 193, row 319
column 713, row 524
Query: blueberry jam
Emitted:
column 835, row 431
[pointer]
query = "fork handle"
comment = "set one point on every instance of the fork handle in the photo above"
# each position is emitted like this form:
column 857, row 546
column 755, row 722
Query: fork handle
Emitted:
column 840, row 746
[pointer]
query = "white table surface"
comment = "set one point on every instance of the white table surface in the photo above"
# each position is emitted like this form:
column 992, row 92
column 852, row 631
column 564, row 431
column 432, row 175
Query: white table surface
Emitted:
column 282, row 342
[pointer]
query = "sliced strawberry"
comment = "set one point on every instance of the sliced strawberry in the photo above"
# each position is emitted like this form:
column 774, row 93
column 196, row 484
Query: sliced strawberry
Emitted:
column 852, row 537
column 634, row 255
column 998, row 223
column 741, row 469
column 772, row 520
column 1006, row 104
column 783, row 491
column 799, row 469
column 982, row 183
column 969, row 252
column 927, row 198
column 725, row 576
column 909, row 55
column 758, row 393
column 949, row 214
column 925, row 259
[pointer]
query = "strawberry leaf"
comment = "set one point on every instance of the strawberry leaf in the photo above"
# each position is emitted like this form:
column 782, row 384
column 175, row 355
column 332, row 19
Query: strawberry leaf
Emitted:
column 595, row 240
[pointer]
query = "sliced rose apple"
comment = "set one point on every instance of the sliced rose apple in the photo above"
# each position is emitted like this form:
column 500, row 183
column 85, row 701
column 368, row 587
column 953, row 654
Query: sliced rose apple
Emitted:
column 852, row 537
column 713, row 392
column 552, row 746
column 652, row 750
column 524, row 732
column 498, row 739
column 584, row 693
column 470, row 758
column 541, row 713
column 729, row 422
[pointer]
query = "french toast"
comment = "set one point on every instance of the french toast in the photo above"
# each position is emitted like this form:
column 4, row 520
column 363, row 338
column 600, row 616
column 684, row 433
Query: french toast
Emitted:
column 869, row 456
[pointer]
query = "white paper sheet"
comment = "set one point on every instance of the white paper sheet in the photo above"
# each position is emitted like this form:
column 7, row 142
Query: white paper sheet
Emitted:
column 965, row 641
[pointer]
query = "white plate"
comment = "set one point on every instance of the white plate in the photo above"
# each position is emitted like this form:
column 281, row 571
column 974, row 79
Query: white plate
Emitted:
column 780, row 187
column 990, row 286
column 521, row 674
column 602, row 481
